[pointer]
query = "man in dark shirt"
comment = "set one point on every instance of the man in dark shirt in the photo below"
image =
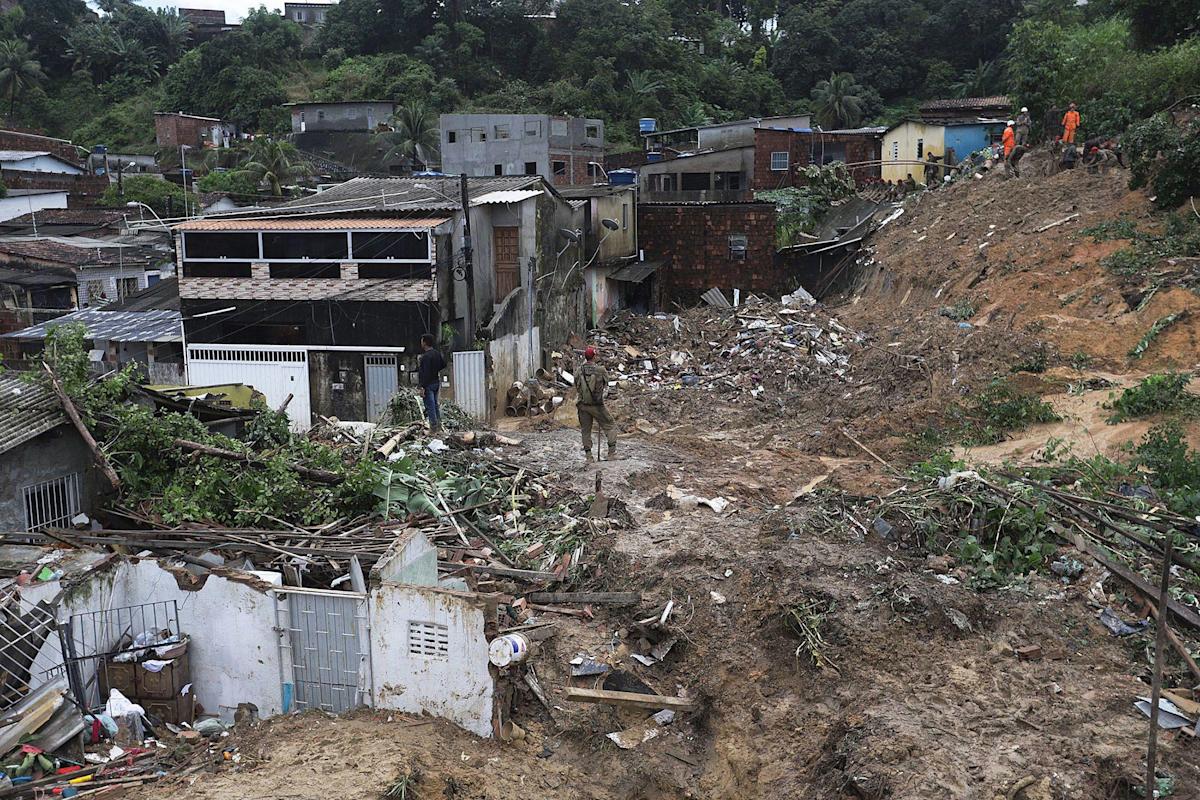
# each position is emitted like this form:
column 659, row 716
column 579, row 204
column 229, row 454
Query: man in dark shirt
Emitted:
column 429, row 367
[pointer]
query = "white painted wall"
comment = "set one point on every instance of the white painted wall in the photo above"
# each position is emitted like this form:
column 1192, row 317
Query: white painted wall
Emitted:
column 17, row 206
column 42, row 164
column 234, row 650
column 456, row 686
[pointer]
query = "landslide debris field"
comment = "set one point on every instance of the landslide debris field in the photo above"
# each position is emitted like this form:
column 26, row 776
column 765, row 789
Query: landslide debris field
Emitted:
column 902, row 544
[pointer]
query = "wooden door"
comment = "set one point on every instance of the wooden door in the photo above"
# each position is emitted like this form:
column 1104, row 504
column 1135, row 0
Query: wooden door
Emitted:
column 506, row 260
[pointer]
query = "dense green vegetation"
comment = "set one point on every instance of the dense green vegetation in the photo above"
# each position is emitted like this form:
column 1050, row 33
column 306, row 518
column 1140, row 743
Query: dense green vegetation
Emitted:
column 681, row 61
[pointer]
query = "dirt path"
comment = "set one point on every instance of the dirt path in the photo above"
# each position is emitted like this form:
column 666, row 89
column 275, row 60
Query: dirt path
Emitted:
column 920, row 694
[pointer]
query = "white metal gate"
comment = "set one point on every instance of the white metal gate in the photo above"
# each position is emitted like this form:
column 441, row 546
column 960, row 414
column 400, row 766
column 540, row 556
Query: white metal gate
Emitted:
column 382, row 382
column 274, row 371
column 470, row 383
column 324, row 648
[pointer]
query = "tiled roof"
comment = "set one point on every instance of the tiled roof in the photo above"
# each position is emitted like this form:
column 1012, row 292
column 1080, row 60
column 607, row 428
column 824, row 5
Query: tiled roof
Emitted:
column 313, row 223
column 117, row 326
column 27, row 410
column 68, row 216
column 966, row 103
column 60, row 253
column 505, row 196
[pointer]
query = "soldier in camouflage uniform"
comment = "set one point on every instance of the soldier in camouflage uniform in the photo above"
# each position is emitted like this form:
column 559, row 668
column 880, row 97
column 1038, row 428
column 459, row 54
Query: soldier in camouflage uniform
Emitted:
column 590, row 384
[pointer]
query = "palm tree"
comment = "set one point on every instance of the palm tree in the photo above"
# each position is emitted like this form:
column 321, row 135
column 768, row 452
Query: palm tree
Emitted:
column 277, row 163
column 414, row 135
column 979, row 81
column 642, row 83
column 19, row 70
column 694, row 116
column 174, row 33
column 838, row 101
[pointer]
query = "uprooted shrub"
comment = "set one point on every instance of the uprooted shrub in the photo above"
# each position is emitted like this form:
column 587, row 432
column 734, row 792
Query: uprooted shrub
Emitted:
column 999, row 409
column 1156, row 394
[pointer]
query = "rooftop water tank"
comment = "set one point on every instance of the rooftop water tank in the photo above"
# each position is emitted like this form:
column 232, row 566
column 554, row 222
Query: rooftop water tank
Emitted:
column 647, row 125
column 622, row 177
column 652, row 157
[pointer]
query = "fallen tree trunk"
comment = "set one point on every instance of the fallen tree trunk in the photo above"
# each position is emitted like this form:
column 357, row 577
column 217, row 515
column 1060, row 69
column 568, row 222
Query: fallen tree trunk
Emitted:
column 393, row 442
column 69, row 406
column 318, row 475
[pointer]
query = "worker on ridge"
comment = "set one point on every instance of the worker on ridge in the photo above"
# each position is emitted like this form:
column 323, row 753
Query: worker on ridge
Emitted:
column 1009, row 139
column 1070, row 122
column 1024, row 123
column 590, row 384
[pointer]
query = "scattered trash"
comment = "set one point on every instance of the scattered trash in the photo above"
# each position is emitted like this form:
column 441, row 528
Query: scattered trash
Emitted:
column 717, row 598
column 1067, row 567
column 1170, row 716
column 584, row 666
column 1118, row 626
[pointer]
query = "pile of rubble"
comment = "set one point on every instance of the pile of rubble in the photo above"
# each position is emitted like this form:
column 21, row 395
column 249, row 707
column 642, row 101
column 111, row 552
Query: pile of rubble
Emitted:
column 758, row 349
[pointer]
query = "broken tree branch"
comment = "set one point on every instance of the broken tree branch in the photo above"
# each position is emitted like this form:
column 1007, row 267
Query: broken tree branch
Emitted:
column 318, row 475
column 69, row 406
column 1062, row 221
column 864, row 448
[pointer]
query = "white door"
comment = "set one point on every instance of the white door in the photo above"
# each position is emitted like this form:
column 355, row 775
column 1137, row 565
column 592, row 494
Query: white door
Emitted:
column 275, row 371
column 382, row 382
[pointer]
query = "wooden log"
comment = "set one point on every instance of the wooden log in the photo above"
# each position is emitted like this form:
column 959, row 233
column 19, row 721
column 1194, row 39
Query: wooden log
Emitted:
column 318, row 475
column 600, row 598
column 650, row 702
column 392, row 443
column 73, row 413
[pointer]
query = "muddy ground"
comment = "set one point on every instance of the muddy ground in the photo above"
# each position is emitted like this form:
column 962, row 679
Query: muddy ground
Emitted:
column 923, row 695
column 919, row 690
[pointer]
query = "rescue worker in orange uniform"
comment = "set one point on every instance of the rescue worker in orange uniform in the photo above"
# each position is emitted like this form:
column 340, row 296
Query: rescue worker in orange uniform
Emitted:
column 1009, row 139
column 1070, row 122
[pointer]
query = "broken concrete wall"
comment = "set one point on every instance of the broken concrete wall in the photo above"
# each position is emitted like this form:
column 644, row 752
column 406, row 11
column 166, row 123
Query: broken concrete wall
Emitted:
column 234, row 649
column 429, row 654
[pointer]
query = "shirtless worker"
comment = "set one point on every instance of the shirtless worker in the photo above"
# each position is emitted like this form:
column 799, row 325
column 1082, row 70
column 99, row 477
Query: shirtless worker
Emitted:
column 590, row 384
column 1070, row 123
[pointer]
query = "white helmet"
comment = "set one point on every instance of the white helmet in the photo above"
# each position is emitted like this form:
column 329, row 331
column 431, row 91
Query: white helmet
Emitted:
column 1010, row 123
column 1024, row 110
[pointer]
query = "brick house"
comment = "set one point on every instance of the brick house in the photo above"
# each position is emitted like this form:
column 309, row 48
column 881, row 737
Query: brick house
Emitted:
column 699, row 246
column 172, row 129
column 325, row 298
column 780, row 154
column 24, row 140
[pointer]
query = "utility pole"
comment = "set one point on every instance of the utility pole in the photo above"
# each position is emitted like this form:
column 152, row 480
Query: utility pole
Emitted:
column 468, row 266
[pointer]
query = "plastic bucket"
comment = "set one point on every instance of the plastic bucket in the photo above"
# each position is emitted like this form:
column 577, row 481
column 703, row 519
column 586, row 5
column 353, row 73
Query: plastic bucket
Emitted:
column 511, row 648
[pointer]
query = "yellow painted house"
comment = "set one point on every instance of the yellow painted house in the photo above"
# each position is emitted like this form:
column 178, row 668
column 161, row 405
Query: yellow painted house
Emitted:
column 907, row 142
column 911, row 141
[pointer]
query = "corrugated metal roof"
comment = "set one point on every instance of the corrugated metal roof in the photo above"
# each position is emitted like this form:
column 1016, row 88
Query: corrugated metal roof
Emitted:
column 117, row 326
column 635, row 273
column 27, row 410
column 505, row 196
column 390, row 195
column 312, row 223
